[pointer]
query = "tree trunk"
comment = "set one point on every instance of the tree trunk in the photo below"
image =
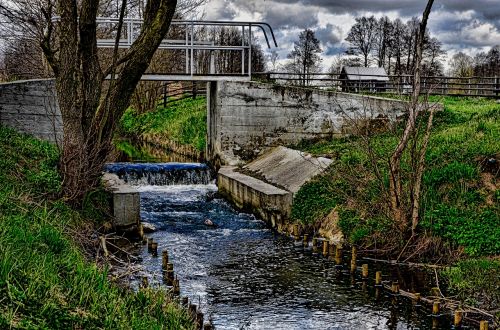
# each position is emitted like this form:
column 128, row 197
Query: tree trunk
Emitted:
column 396, row 197
column 89, row 119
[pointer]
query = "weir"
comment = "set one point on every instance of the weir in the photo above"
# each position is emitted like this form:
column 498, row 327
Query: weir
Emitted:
column 161, row 174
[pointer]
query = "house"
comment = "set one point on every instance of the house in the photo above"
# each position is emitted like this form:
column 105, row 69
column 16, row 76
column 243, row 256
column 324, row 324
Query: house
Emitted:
column 357, row 79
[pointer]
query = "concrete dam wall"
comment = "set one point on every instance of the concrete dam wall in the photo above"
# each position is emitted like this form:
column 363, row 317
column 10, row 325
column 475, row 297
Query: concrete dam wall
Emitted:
column 246, row 119
column 31, row 107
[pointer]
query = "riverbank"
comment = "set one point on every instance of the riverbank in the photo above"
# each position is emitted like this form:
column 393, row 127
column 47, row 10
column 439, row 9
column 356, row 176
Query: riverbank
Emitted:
column 460, row 219
column 46, row 278
column 180, row 127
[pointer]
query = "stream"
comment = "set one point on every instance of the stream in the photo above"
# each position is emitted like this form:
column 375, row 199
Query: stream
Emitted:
column 245, row 276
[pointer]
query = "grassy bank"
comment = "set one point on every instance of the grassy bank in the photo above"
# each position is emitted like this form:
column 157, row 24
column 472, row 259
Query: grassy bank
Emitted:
column 461, row 196
column 460, row 217
column 182, row 122
column 45, row 281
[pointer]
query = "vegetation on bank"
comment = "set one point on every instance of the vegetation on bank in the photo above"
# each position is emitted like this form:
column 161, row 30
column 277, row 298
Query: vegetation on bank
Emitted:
column 461, row 197
column 460, row 203
column 182, row 121
column 45, row 281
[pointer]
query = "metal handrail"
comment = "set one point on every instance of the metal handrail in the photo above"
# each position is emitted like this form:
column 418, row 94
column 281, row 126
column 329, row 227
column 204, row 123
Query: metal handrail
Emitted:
column 188, row 43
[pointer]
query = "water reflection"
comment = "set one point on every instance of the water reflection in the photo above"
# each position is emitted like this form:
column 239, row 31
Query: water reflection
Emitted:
column 141, row 152
column 246, row 277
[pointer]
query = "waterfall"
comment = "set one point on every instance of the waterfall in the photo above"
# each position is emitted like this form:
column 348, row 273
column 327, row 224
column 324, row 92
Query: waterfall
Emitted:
column 161, row 174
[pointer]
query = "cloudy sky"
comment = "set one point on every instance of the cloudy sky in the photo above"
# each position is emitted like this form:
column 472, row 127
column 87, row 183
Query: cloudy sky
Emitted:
column 461, row 25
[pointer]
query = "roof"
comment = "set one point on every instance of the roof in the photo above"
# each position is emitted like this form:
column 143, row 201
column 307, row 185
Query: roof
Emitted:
column 361, row 73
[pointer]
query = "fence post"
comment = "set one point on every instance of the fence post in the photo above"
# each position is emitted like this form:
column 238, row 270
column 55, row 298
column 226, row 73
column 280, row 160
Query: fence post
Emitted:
column 195, row 90
column 165, row 97
column 497, row 86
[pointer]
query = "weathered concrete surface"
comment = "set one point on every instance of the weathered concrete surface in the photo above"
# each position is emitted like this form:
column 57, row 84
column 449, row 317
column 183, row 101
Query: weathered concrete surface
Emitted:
column 126, row 203
column 31, row 107
column 266, row 201
column 287, row 168
column 247, row 118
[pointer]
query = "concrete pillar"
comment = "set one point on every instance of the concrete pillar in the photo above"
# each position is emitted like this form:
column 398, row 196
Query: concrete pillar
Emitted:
column 126, row 208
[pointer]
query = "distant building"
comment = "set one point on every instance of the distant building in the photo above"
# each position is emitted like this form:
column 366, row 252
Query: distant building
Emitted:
column 357, row 79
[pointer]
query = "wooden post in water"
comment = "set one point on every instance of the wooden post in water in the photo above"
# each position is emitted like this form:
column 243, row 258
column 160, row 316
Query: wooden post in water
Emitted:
column 185, row 301
column 199, row 319
column 457, row 320
column 325, row 248
column 169, row 278
column 164, row 259
column 141, row 232
column 354, row 254
column 150, row 241
column 176, row 289
column 315, row 245
column 378, row 278
column 338, row 255
column 395, row 287
column 435, row 307
column 365, row 271
column 306, row 240
column 483, row 325
column 192, row 311
column 207, row 326
column 296, row 232
column 154, row 249
column 145, row 282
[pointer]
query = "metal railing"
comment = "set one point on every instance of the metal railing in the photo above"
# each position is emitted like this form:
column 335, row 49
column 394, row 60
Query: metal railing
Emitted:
column 189, row 44
column 391, row 84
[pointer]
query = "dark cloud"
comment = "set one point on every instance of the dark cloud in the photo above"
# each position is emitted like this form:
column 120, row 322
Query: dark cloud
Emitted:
column 291, row 16
column 459, row 24
column 329, row 35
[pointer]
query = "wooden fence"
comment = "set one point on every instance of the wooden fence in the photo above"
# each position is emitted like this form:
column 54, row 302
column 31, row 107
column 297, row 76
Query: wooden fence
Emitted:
column 393, row 84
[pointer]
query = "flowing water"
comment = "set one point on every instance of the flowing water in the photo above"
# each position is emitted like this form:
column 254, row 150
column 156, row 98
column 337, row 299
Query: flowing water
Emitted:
column 244, row 276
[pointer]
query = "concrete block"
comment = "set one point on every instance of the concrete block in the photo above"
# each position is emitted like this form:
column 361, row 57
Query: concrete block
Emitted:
column 126, row 208
column 270, row 203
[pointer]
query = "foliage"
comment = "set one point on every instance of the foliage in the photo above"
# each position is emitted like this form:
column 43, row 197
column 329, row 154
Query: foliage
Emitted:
column 182, row 121
column 475, row 281
column 45, row 282
column 314, row 201
column 456, row 204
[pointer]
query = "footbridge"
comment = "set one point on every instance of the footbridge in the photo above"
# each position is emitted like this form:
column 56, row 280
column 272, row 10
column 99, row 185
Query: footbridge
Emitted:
column 244, row 118
column 195, row 43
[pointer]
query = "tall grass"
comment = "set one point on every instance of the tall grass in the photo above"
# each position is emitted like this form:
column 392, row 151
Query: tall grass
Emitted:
column 45, row 282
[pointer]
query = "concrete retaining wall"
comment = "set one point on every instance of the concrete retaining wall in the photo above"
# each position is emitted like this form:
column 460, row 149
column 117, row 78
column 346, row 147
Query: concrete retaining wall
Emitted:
column 245, row 118
column 31, row 107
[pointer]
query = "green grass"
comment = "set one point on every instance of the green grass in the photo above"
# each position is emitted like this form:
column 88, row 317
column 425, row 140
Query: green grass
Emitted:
column 473, row 280
column 457, row 204
column 183, row 121
column 45, row 281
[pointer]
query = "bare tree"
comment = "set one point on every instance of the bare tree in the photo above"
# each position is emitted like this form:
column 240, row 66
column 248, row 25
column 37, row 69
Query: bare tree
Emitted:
column 461, row 65
column 305, row 57
column 362, row 38
column 90, row 106
column 405, row 207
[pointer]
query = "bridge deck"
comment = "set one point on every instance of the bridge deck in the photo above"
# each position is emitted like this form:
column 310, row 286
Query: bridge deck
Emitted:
column 188, row 77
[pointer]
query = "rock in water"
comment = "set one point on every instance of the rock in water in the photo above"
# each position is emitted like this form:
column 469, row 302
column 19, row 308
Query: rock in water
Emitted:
column 148, row 227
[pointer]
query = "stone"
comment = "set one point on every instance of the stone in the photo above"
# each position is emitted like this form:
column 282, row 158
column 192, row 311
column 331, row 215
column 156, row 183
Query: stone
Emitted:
column 148, row 227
